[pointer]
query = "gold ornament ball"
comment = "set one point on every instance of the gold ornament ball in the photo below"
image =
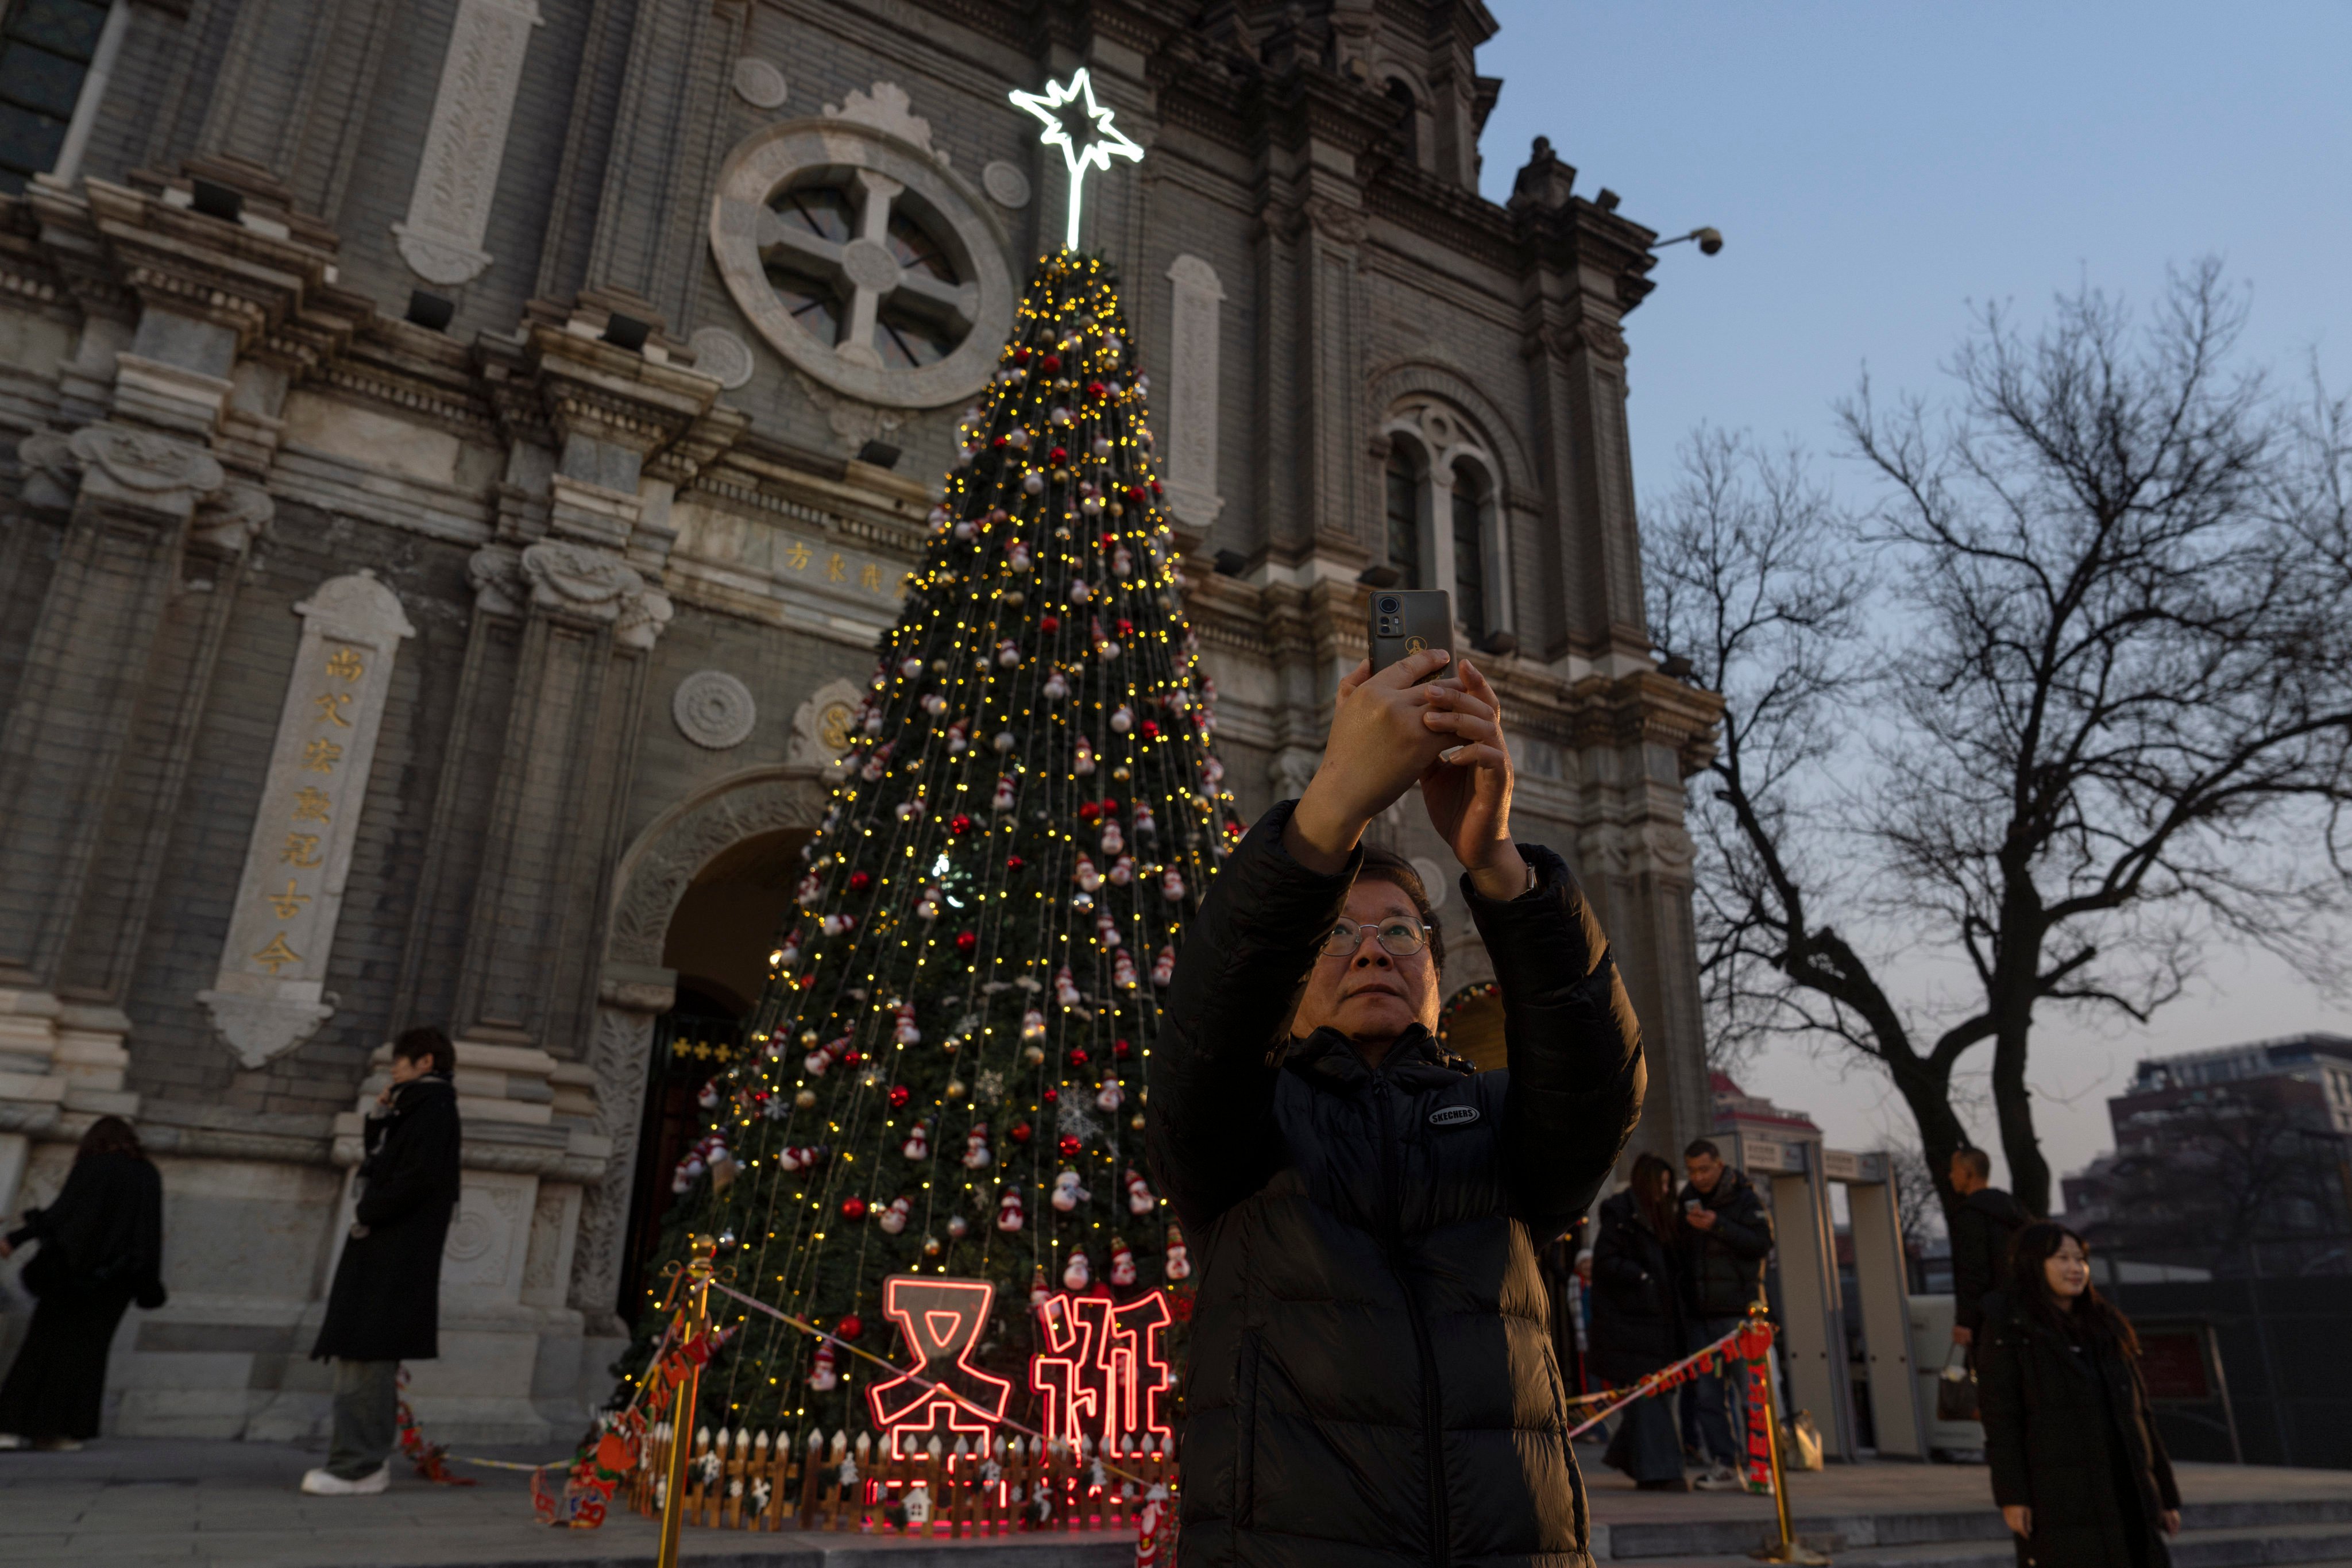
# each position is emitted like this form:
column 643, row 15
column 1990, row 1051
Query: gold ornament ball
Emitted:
column 1137, row 1121
column 955, row 1089
column 1034, row 1056
column 1120, row 773
column 806, row 1099
column 808, row 1037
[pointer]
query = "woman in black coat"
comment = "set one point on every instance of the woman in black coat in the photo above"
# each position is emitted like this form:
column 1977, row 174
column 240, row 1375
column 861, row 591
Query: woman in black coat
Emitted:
column 101, row 1249
column 2078, row 1470
column 1637, row 1319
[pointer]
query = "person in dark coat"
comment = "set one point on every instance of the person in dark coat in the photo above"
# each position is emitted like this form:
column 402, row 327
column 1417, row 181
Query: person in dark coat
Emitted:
column 100, row 1250
column 2078, row 1467
column 1983, row 1225
column 385, row 1306
column 1370, row 1377
column 1638, row 1321
column 1727, row 1237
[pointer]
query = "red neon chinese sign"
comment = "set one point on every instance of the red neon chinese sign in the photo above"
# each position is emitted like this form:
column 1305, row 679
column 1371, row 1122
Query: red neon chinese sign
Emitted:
column 1103, row 1372
column 940, row 1319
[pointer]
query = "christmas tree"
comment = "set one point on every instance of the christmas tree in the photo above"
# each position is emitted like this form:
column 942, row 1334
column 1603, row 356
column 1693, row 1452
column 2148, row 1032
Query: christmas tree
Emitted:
column 947, row 1066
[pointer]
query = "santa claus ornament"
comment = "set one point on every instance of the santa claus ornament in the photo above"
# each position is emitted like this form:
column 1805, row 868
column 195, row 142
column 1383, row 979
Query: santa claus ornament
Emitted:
column 822, row 1377
column 976, row 1156
column 1122, row 1263
column 1008, row 1212
column 1139, row 1194
column 1177, row 1264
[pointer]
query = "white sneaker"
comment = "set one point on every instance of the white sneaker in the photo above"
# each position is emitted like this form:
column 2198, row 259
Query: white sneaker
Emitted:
column 1721, row 1479
column 10, row 1441
column 321, row 1483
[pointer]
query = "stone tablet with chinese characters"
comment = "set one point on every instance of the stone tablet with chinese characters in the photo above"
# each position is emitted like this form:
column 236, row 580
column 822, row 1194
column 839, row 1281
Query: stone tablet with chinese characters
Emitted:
column 270, row 993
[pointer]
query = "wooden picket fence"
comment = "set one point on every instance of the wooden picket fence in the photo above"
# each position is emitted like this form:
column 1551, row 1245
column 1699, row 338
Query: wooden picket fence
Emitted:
column 746, row 1481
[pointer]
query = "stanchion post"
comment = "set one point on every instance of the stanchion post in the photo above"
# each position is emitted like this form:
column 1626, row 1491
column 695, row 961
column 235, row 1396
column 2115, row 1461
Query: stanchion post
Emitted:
column 700, row 1267
column 1787, row 1550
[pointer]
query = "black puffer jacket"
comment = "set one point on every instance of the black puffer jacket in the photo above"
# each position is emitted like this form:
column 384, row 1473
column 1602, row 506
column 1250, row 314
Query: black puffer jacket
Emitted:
column 1726, row 1263
column 1370, row 1377
column 1637, row 1300
column 1983, row 1225
column 2068, row 1435
column 386, row 1300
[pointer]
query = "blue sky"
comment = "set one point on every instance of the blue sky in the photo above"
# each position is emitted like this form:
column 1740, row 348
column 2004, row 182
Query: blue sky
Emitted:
column 1876, row 167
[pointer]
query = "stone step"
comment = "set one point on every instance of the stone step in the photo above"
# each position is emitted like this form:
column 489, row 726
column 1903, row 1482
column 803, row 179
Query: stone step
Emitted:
column 2306, row 1545
column 1976, row 1535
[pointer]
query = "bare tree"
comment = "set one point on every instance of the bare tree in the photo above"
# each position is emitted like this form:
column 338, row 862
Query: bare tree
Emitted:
column 1918, row 1202
column 2114, row 717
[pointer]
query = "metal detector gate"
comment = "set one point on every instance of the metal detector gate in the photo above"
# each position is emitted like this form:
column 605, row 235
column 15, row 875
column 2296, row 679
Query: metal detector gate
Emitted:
column 1795, row 1177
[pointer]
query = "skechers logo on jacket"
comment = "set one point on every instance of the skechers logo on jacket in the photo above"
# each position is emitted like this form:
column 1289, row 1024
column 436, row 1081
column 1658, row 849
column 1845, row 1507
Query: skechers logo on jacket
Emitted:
column 1454, row 1116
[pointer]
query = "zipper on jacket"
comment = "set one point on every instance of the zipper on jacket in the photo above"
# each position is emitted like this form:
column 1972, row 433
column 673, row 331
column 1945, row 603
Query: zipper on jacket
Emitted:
column 1392, row 1178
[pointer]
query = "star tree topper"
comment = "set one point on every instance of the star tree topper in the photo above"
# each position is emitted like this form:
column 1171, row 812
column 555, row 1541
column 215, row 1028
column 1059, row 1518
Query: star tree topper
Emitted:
column 1082, row 128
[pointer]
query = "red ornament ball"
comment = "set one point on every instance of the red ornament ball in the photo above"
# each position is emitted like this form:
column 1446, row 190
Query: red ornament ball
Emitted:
column 1058, row 456
column 1079, row 1057
column 966, row 940
column 1071, row 1147
column 1020, row 1133
column 998, row 444
column 1155, row 486
column 1151, row 730
column 1049, row 622
column 899, row 1095
column 1110, row 806
column 1121, row 1049
column 1021, row 357
column 853, row 1208
column 849, row 1327
column 1014, row 862
column 860, row 881
column 1088, row 811
column 1052, row 1095
column 1135, row 494
column 1051, row 362
column 1096, row 389
column 1109, row 540
column 958, row 824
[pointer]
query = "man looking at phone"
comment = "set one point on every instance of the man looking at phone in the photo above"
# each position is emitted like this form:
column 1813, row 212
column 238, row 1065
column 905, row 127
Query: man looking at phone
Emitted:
column 1372, row 1377
column 1727, row 1236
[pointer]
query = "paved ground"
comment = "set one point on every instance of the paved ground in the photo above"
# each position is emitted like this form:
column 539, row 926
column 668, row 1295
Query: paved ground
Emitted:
column 135, row 1503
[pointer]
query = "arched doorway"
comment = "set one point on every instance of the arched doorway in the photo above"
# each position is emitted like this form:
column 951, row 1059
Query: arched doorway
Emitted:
column 717, row 848
column 718, row 945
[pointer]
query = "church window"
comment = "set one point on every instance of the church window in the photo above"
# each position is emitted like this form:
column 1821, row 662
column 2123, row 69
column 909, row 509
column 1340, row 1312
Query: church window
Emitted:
column 1401, row 94
column 1469, row 554
column 1404, row 516
column 46, row 46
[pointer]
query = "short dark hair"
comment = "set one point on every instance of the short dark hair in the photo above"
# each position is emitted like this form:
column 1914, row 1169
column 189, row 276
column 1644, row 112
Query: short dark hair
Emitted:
column 430, row 1045
column 1705, row 1146
column 1388, row 866
column 1976, row 1159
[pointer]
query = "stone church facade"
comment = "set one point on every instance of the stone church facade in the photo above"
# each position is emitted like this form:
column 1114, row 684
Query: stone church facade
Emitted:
column 457, row 457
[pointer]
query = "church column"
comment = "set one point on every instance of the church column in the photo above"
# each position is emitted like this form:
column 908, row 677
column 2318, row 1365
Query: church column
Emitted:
column 155, row 532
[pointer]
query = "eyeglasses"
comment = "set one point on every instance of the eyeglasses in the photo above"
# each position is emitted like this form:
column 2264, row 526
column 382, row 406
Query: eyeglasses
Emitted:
column 1401, row 938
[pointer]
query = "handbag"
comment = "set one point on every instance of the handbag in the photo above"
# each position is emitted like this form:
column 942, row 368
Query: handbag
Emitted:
column 1956, row 1389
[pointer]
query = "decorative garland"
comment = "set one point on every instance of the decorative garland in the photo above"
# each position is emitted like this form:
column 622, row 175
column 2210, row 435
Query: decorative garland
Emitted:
column 431, row 1459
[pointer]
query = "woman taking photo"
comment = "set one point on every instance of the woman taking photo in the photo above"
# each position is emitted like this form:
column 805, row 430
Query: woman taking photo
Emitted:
column 100, row 1248
column 2078, row 1470
column 1637, row 1319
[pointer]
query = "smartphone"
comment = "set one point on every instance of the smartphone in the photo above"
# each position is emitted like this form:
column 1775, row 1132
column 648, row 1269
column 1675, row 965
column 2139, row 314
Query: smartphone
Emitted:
column 1692, row 1206
column 1407, row 620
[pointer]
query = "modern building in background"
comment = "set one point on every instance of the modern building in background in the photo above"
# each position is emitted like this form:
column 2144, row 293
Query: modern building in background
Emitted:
column 457, row 456
column 2237, row 1160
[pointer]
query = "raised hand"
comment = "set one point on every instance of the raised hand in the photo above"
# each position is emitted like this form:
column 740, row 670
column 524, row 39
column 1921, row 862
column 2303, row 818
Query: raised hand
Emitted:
column 1467, row 789
column 1376, row 748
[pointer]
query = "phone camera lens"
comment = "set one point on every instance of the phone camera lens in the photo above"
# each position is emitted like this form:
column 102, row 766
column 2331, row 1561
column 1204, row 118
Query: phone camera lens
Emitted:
column 1389, row 606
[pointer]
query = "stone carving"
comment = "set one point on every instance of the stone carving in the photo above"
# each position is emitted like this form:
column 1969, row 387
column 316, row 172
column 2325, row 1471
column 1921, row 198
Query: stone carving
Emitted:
column 853, row 422
column 1007, row 185
column 1336, row 220
column 722, row 356
column 487, row 1232
column 1602, row 337
column 1192, row 320
column 592, row 582
column 269, row 995
column 888, row 110
column 546, row 1242
column 714, row 710
column 234, row 519
column 495, row 572
column 51, row 470
column 821, row 726
column 882, row 159
column 1290, row 770
column 619, row 1050
column 449, row 208
column 141, row 461
column 759, row 84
